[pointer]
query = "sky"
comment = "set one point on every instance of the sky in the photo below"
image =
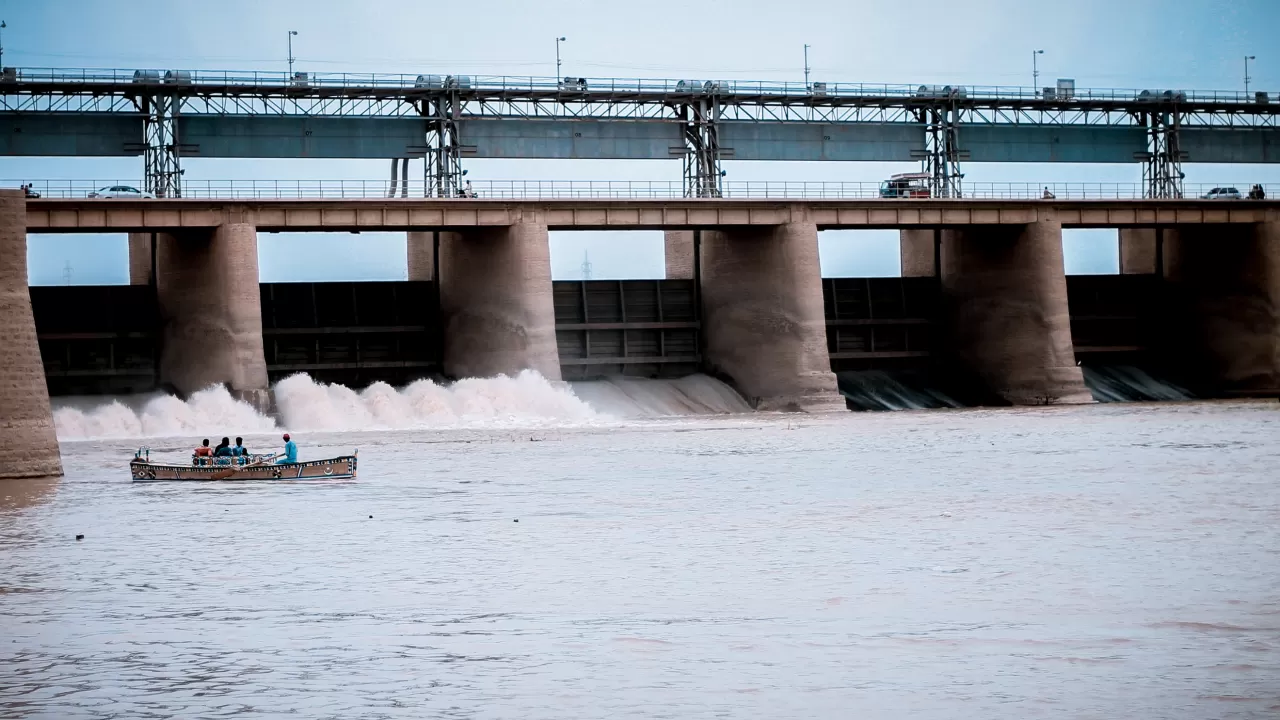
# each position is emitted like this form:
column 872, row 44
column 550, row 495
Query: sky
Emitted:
column 1099, row 43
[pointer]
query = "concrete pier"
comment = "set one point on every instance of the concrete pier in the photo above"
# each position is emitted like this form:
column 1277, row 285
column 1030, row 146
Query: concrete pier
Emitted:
column 207, row 289
column 420, row 253
column 496, row 301
column 1137, row 251
column 1223, row 321
column 916, row 247
column 678, row 251
column 1007, row 321
column 29, row 447
column 140, row 258
column 763, row 318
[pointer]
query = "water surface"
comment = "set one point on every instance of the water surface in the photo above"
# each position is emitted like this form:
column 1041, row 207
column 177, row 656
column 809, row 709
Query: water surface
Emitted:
column 1090, row 562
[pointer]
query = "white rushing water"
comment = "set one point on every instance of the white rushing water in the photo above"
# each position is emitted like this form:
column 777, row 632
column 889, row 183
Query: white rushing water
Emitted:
column 525, row 400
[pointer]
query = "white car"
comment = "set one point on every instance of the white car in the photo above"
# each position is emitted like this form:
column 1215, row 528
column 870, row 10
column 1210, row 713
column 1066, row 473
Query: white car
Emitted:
column 1224, row 193
column 120, row 191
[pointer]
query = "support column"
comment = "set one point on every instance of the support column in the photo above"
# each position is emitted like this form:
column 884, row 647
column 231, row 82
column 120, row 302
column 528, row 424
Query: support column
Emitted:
column 1223, row 325
column 678, row 249
column 1137, row 251
column 762, row 315
column 496, row 301
column 916, row 248
column 139, row 258
column 1005, row 298
column 420, row 252
column 207, row 289
column 30, row 447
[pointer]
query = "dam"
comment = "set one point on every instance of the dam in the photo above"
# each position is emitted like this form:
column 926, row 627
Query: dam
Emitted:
column 984, row 300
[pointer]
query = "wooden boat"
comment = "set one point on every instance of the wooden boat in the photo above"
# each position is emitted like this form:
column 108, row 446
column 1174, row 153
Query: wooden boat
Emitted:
column 254, row 467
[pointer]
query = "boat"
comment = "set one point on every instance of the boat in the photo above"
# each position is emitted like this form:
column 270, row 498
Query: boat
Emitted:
column 253, row 467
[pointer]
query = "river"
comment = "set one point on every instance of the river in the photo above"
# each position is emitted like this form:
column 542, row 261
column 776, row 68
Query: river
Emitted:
column 1087, row 562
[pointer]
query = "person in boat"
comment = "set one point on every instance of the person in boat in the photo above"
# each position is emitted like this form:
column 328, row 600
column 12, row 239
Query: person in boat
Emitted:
column 290, row 452
column 223, row 449
column 238, row 450
column 200, row 455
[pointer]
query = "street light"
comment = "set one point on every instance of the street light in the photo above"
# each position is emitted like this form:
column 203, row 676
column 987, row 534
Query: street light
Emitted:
column 558, row 41
column 1035, row 71
column 1247, row 58
column 3, row 26
column 291, row 58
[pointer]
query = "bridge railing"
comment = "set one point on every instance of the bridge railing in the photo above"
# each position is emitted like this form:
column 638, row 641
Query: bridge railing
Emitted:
column 304, row 80
column 600, row 189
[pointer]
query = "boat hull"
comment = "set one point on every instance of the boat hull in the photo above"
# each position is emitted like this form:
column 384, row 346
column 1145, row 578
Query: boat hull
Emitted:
column 339, row 468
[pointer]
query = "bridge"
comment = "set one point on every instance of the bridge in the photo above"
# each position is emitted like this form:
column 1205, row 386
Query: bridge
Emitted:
column 167, row 116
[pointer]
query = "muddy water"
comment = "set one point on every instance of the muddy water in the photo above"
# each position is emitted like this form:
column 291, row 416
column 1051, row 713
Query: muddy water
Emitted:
column 1094, row 562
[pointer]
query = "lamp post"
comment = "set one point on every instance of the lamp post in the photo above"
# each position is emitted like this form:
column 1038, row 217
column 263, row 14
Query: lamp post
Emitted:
column 3, row 26
column 1247, row 58
column 558, row 41
column 806, row 66
column 1035, row 71
column 291, row 58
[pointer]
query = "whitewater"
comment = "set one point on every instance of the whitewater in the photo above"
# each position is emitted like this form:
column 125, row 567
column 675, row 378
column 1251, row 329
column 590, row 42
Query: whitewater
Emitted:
column 524, row 400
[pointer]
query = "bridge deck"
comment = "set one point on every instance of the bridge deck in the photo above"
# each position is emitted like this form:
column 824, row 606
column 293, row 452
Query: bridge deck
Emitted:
column 101, row 215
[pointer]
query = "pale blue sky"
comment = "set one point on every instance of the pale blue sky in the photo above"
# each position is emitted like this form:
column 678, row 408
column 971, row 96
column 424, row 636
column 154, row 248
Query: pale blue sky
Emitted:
column 1099, row 43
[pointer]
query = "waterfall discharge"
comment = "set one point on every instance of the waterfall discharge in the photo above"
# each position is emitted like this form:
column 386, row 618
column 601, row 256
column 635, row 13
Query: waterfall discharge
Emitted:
column 525, row 400
column 1126, row 383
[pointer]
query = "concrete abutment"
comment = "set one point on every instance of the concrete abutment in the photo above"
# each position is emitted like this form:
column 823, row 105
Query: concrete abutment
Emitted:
column 496, row 301
column 762, row 314
column 210, row 306
column 420, row 253
column 916, row 248
column 1006, row 319
column 29, row 448
column 141, row 259
column 677, row 249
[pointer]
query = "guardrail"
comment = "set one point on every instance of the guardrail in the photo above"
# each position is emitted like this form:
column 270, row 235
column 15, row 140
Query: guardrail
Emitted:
column 303, row 80
column 602, row 189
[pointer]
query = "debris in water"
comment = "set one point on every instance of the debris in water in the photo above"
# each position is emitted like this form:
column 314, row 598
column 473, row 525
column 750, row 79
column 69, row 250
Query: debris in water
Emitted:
column 80, row 537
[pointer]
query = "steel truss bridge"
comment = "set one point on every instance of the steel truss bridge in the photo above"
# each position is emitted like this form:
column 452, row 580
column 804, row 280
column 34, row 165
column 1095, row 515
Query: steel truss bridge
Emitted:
column 171, row 115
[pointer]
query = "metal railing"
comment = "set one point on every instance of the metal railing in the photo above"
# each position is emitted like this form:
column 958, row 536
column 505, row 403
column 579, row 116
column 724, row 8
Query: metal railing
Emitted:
column 302, row 80
column 601, row 189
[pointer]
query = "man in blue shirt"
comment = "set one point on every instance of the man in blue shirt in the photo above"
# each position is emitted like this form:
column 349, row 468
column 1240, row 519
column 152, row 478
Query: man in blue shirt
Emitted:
column 290, row 452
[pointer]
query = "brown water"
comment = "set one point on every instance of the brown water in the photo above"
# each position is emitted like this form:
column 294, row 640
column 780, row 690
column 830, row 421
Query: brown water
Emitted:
column 1097, row 562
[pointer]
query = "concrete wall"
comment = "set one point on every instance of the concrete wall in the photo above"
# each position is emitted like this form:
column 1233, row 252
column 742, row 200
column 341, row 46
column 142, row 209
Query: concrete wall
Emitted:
column 496, row 301
column 916, row 247
column 678, row 251
column 1223, row 323
column 207, row 289
column 763, row 318
column 1006, row 318
column 1137, row 251
column 28, row 445
column 420, row 253
column 140, row 258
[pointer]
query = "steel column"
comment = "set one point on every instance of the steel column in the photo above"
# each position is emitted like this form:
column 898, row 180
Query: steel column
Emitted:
column 702, row 148
column 162, row 170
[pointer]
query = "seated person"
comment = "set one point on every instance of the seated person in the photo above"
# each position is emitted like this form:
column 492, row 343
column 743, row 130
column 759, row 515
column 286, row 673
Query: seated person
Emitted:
column 204, row 451
column 290, row 452
column 223, row 449
column 238, row 450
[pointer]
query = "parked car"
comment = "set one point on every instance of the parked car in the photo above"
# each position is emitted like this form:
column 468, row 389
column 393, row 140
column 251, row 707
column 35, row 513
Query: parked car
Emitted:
column 119, row 191
column 1225, row 193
